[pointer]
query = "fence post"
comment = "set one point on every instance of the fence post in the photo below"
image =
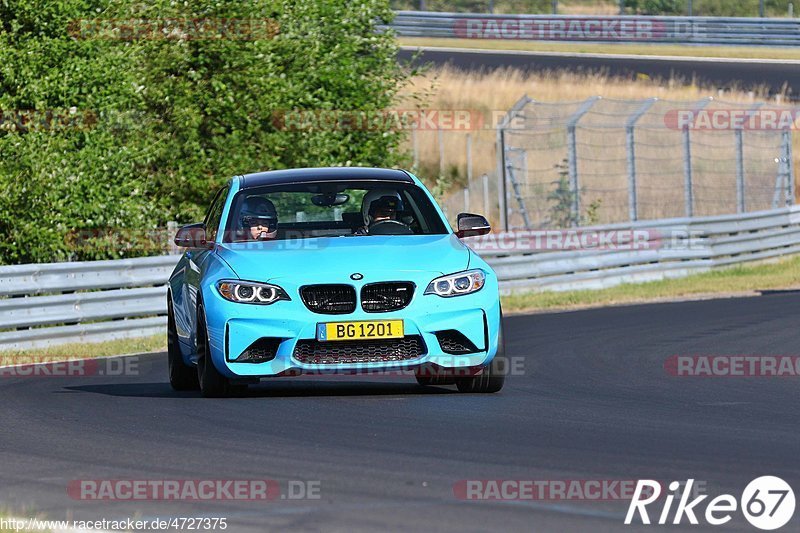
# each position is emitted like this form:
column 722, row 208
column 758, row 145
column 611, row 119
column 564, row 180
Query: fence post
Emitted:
column 788, row 166
column 500, row 154
column 501, row 177
column 466, row 200
column 784, row 181
column 485, row 179
column 740, row 205
column 630, row 130
column 572, row 157
column 469, row 159
column 440, row 135
column 523, row 158
column 688, row 185
column 415, row 143
column 172, row 229
column 740, row 184
column 688, row 173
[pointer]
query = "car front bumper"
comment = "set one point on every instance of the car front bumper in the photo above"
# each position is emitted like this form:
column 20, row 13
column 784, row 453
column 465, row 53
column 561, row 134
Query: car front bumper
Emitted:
column 234, row 327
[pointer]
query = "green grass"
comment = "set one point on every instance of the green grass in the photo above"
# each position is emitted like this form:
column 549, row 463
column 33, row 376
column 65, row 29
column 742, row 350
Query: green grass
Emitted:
column 156, row 343
column 737, row 52
column 739, row 280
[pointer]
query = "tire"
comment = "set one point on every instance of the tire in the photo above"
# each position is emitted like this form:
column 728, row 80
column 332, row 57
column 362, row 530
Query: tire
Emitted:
column 212, row 383
column 493, row 376
column 181, row 376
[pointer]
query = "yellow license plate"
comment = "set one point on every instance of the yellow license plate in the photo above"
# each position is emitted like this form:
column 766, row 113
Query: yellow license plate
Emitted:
column 348, row 331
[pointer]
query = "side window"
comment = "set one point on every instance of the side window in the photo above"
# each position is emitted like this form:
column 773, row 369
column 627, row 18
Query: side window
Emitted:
column 215, row 214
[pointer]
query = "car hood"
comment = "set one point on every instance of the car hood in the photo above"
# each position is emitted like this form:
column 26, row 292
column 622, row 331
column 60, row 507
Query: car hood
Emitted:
column 329, row 258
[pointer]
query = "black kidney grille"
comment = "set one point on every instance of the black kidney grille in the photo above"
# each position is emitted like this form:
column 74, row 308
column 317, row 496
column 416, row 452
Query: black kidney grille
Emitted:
column 311, row 351
column 387, row 296
column 329, row 299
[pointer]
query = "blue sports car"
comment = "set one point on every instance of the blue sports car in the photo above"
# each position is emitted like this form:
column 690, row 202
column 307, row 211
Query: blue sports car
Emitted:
column 331, row 270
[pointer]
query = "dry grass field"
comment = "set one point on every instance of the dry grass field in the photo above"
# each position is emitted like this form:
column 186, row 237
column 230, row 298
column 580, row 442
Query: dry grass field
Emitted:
column 491, row 94
column 647, row 49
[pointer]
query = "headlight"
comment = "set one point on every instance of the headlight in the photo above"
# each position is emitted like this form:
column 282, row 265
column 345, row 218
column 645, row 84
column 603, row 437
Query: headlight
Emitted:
column 247, row 292
column 457, row 284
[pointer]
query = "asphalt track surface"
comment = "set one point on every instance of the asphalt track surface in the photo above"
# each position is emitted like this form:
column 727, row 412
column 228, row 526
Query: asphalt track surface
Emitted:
column 724, row 73
column 593, row 401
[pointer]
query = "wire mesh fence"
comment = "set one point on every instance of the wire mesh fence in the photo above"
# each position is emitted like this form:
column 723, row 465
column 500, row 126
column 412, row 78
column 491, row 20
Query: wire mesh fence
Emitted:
column 603, row 161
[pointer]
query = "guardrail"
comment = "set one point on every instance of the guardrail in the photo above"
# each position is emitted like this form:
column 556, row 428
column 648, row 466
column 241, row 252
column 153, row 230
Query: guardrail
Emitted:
column 582, row 28
column 58, row 303
column 666, row 248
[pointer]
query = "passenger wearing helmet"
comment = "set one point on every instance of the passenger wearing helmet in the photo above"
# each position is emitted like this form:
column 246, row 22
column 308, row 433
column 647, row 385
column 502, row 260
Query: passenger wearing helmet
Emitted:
column 380, row 209
column 259, row 219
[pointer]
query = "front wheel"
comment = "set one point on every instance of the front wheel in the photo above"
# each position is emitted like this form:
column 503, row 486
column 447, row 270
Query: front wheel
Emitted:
column 493, row 376
column 212, row 383
column 181, row 376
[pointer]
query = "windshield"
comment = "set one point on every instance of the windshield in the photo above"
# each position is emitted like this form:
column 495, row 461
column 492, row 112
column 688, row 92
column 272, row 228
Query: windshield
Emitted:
column 331, row 209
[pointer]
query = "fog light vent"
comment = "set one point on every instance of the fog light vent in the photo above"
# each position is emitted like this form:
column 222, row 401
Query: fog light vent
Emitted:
column 261, row 351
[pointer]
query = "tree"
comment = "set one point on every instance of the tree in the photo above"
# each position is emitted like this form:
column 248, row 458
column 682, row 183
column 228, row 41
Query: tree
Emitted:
column 171, row 119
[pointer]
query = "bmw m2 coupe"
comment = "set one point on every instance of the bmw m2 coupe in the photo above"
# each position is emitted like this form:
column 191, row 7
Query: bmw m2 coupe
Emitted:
column 331, row 270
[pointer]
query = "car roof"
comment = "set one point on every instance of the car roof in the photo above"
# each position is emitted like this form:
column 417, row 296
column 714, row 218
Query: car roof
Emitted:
column 300, row 175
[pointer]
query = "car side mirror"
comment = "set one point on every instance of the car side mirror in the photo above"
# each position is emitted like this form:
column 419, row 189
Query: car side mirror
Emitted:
column 470, row 225
column 192, row 236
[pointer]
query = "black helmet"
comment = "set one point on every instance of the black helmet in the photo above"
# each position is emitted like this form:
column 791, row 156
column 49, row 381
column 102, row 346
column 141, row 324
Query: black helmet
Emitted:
column 385, row 203
column 258, row 211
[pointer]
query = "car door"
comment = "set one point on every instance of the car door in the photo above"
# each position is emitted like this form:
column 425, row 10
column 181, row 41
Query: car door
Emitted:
column 197, row 258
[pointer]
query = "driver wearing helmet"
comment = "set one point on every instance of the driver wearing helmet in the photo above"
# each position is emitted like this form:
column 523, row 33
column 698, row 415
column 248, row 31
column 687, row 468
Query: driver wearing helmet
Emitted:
column 259, row 219
column 380, row 206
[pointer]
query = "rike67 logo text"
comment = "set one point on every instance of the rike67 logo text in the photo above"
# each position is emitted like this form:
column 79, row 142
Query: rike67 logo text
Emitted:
column 767, row 503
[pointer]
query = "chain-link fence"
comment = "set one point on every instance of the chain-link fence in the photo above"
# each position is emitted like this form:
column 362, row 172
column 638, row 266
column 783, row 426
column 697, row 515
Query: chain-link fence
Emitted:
column 603, row 161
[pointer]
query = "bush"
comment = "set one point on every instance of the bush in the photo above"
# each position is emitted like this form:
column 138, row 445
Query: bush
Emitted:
column 168, row 121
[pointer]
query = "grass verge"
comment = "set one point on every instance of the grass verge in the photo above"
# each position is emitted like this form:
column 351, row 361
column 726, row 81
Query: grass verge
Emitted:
column 86, row 350
column 734, row 281
column 734, row 52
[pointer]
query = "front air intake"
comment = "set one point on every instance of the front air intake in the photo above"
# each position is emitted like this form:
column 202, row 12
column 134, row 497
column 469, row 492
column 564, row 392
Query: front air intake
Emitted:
column 454, row 342
column 261, row 351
